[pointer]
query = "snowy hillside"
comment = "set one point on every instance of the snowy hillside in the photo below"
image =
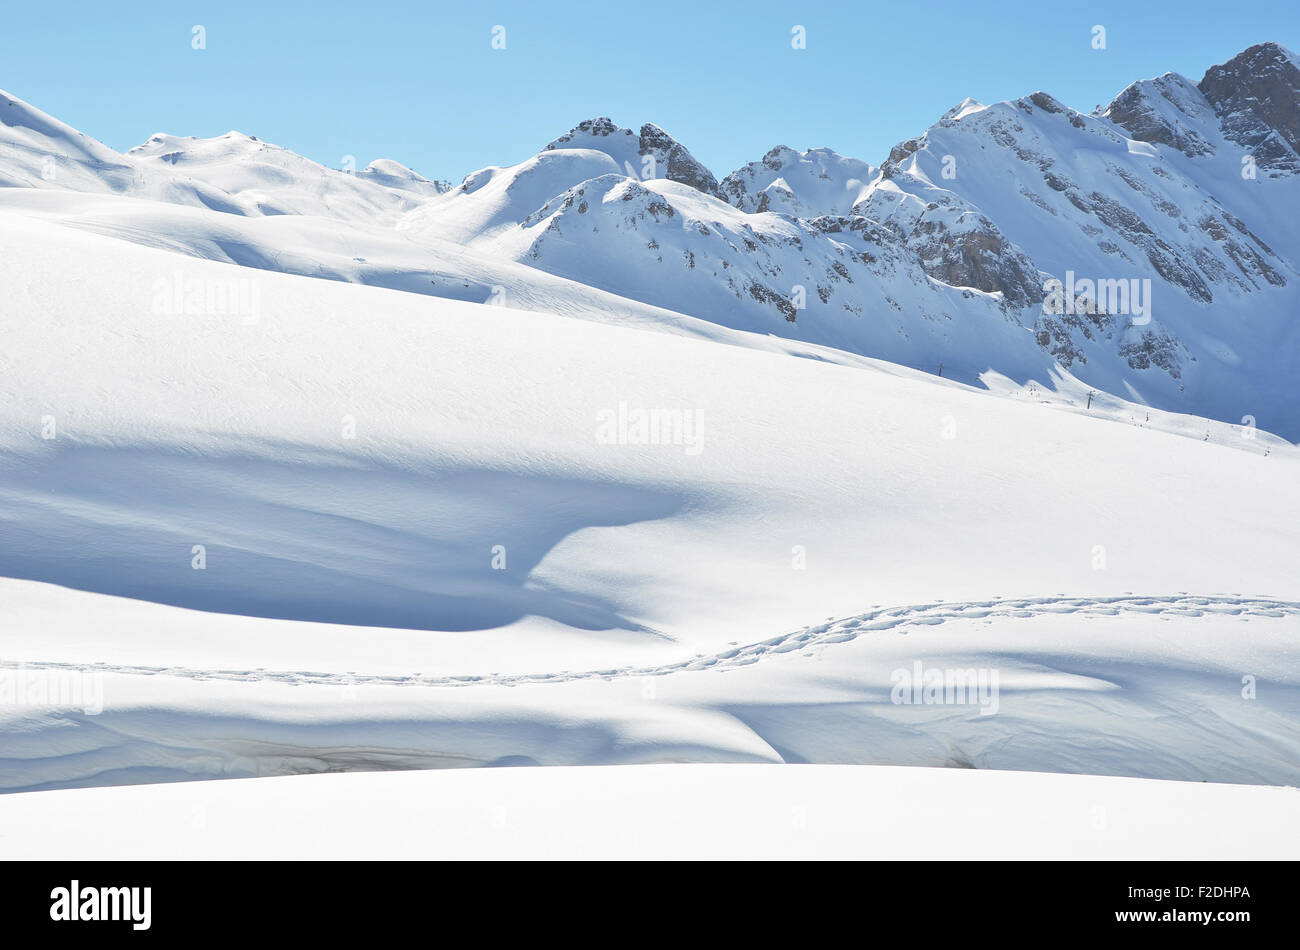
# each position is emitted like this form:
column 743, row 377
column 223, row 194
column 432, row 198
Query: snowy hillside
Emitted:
column 1166, row 220
column 352, row 527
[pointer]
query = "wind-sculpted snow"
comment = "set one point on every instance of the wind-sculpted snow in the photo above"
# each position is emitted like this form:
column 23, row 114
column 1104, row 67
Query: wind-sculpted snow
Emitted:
column 843, row 630
column 227, row 412
column 352, row 543
column 826, row 694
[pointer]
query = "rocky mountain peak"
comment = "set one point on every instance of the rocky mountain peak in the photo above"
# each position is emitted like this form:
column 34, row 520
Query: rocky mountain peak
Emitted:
column 1169, row 110
column 675, row 162
column 807, row 184
column 1256, row 95
column 671, row 159
column 600, row 127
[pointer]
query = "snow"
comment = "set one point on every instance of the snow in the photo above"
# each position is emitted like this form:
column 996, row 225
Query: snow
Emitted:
column 866, row 260
column 1174, row 195
column 362, row 567
column 967, row 106
column 1141, row 686
column 661, row 812
column 549, row 470
column 803, row 184
column 271, row 180
column 669, row 245
column 235, row 174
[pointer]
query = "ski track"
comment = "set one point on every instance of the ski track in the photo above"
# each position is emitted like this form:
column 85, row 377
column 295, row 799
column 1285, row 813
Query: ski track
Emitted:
column 822, row 634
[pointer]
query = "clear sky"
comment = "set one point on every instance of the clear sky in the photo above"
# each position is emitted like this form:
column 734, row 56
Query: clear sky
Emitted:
column 419, row 82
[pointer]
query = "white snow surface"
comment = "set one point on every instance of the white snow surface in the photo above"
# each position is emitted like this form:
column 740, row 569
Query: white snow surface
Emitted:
column 658, row 602
column 640, row 510
column 664, row 812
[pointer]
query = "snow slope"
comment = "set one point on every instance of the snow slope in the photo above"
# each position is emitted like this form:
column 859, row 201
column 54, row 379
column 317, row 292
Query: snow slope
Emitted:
column 356, row 463
column 439, row 387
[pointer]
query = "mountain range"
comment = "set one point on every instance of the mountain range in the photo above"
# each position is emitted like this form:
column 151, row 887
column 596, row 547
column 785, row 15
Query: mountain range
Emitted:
column 1146, row 249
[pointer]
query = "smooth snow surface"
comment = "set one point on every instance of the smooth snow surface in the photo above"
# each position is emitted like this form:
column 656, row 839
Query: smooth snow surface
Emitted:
column 664, row 812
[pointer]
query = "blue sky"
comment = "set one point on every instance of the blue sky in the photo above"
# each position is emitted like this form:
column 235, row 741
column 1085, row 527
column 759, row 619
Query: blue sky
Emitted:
column 421, row 83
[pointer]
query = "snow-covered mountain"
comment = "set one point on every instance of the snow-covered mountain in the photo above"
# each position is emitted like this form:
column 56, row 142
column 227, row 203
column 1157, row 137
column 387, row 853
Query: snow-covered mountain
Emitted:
column 39, row 151
column 233, row 173
column 1186, row 264
column 1165, row 219
column 832, row 280
column 800, row 184
column 651, row 154
column 1254, row 95
column 1001, row 197
column 280, row 494
column 269, row 179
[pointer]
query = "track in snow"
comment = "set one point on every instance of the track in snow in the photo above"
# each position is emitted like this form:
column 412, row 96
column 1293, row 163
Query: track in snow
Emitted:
column 828, row 632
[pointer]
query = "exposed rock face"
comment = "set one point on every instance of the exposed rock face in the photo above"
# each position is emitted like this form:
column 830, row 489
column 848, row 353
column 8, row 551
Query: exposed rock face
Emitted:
column 979, row 257
column 678, row 164
column 995, row 199
column 956, row 243
column 1257, row 97
column 773, row 268
column 1154, row 348
column 1127, row 211
column 1166, row 111
column 596, row 128
column 670, row 159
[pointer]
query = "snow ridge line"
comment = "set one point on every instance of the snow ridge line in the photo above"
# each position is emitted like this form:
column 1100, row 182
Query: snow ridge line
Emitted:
column 826, row 633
